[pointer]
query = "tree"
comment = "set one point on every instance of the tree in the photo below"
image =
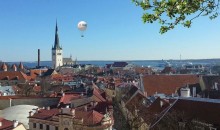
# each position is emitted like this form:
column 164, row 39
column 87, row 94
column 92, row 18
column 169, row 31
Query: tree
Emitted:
column 170, row 13
column 45, row 85
column 26, row 89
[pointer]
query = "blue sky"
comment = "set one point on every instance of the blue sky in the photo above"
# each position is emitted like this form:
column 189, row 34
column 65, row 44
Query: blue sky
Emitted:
column 115, row 32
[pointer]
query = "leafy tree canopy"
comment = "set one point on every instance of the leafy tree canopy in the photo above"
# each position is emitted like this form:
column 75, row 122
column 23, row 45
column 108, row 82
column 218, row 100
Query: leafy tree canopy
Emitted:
column 170, row 13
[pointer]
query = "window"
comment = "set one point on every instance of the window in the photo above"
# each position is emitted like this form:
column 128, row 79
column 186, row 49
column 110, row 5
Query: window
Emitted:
column 41, row 126
column 34, row 125
column 48, row 127
column 56, row 128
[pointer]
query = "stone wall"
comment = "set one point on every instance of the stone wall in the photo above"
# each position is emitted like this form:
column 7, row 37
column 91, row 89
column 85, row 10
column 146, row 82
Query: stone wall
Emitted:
column 40, row 102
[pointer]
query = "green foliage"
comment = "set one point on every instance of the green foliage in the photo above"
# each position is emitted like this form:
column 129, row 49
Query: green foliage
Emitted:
column 170, row 13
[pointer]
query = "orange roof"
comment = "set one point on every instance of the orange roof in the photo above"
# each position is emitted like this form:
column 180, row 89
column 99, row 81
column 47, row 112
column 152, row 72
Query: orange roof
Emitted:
column 97, row 96
column 45, row 114
column 56, row 76
column 89, row 117
column 35, row 72
column 11, row 75
column 167, row 84
column 66, row 99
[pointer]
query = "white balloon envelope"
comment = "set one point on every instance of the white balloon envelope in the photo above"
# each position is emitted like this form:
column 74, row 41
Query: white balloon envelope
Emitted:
column 82, row 25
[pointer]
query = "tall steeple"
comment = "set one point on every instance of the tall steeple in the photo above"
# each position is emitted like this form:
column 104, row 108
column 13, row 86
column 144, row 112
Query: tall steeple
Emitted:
column 57, row 51
column 56, row 41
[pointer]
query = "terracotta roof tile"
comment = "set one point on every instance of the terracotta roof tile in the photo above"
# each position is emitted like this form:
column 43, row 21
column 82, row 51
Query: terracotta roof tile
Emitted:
column 12, row 75
column 45, row 114
column 66, row 99
column 89, row 117
column 167, row 84
column 6, row 124
column 97, row 96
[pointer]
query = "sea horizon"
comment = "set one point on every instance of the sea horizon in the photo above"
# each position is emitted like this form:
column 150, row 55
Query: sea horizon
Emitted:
column 122, row 60
column 144, row 63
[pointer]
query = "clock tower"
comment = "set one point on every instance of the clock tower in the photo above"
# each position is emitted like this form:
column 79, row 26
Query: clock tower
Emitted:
column 57, row 51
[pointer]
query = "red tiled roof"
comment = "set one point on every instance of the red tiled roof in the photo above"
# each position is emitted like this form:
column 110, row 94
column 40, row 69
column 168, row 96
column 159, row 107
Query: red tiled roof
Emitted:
column 57, row 76
column 89, row 117
column 35, row 72
column 66, row 99
column 45, row 114
column 6, row 124
column 167, row 84
column 13, row 75
column 97, row 96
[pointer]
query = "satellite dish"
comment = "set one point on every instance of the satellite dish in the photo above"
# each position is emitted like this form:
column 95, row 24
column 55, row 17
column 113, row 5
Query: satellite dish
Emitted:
column 82, row 25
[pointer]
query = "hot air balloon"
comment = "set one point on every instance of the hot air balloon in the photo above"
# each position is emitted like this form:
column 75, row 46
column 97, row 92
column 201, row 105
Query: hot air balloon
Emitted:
column 82, row 25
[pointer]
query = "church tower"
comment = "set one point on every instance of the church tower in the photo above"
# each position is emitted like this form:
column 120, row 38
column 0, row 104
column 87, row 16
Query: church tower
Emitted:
column 57, row 51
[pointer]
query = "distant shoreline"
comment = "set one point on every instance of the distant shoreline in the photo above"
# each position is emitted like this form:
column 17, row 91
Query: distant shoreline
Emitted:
column 145, row 63
column 118, row 60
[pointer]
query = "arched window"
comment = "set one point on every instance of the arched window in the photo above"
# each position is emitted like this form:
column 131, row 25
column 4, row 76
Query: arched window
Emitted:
column 66, row 129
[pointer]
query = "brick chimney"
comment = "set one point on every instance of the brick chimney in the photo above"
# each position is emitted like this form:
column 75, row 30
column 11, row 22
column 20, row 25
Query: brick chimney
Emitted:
column 38, row 58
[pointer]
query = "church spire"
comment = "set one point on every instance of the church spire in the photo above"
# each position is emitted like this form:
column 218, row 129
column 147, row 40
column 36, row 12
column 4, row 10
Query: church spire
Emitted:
column 56, row 42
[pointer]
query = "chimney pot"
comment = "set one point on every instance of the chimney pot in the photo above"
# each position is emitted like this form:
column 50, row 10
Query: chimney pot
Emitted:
column 15, row 123
column 85, row 108
column 73, row 112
